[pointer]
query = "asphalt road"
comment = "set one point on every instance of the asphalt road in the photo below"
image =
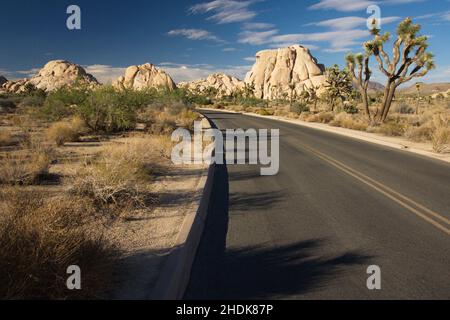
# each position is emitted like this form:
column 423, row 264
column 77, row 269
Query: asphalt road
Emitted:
column 337, row 206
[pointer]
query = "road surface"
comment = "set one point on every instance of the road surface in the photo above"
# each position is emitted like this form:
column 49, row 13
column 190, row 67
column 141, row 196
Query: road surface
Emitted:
column 337, row 206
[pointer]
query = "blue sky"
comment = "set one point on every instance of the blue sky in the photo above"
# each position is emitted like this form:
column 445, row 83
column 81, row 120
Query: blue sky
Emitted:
column 193, row 38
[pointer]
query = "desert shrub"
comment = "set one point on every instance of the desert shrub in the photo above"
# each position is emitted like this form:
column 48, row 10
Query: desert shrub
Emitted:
column 26, row 166
column 200, row 100
column 36, row 100
column 394, row 129
column 419, row 133
column 298, row 107
column 265, row 112
column 346, row 120
column 441, row 134
column 322, row 117
column 6, row 138
column 104, row 110
column 7, row 103
column 40, row 237
column 121, row 174
column 65, row 131
column 350, row 108
column 63, row 103
column 186, row 119
column 403, row 108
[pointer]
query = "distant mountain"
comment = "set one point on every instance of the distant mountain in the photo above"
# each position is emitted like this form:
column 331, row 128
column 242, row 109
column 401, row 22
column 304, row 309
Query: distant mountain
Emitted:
column 426, row 88
column 374, row 87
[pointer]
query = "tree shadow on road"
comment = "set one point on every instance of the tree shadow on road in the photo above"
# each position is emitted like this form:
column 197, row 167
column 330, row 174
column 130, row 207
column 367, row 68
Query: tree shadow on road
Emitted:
column 274, row 272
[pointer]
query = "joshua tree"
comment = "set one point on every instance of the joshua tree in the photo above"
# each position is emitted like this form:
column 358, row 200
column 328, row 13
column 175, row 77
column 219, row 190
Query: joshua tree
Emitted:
column 361, row 77
column 339, row 84
column 397, row 69
column 249, row 90
column 313, row 95
column 418, row 85
column 292, row 88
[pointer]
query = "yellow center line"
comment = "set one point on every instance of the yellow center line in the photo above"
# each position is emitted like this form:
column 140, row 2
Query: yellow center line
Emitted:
column 388, row 192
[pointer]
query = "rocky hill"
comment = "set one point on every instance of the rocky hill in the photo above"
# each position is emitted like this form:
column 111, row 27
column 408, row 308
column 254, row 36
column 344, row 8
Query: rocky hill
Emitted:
column 281, row 72
column 426, row 88
column 219, row 85
column 144, row 77
column 3, row 80
column 54, row 75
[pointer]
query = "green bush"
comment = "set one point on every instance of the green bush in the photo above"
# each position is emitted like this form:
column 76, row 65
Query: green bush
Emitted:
column 63, row 103
column 299, row 107
column 105, row 110
column 350, row 109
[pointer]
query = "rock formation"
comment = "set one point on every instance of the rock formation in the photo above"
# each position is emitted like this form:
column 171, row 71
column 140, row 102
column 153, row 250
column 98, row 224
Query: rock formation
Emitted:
column 220, row 85
column 54, row 75
column 283, row 72
column 144, row 77
column 3, row 80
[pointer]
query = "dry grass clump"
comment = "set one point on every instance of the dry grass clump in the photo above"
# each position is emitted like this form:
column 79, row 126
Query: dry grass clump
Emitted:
column 121, row 174
column 441, row 135
column 6, row 138
column 40, row 238
column 26, row 166
column 163, row 121
column 265, row 112
column 346, row 120
column 420, row 133
column 322, row 117
column 391, row 129
column 65, row 131
column 186, row 119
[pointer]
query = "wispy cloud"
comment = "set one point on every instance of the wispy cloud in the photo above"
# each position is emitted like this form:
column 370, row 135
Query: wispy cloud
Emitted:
column 257, row 26
column 229, row 49
column 346, row 23
column 355, row 5
column 194, row 34
column 225, row 11
column 340, row 40
column 257, row 37
column 28, row 73
column 342, row 5
column 439, row 16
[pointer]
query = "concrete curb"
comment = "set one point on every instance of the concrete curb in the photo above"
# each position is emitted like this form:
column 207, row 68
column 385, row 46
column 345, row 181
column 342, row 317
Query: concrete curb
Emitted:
column 363, row 136
column 176, row 272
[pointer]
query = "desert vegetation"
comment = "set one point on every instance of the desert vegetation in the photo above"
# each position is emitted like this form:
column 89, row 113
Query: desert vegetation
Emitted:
column 347, row 99
column 72, row 162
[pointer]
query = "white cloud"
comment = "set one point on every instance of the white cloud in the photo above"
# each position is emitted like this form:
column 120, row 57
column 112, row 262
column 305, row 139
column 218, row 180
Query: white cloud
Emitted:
column 439, row 16
column 194, row 34
column 184, row 72
column 342, row 5
column 346, row 23
column 257, row 26
column 339, row 40
column 225, row 11
column 250, row 59
column 104, row 73
column 229, row 49
column 28, row 73
column 355, row 5
column 256, row 37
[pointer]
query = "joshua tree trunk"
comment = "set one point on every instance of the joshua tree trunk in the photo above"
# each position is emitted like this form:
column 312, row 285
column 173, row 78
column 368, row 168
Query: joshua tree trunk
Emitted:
column 365, row 100
column 389, row 94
